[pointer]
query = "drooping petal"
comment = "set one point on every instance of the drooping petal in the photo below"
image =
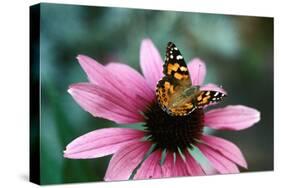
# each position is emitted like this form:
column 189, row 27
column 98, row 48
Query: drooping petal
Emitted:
column 151, row 63
column 208, row 169
column 151, row 167
column 193, row 166
column 221, row 163
column 101, row 142
column 132, row 81
column 235, row 117
column 212, row 87
column 101, row 76
column 125, row 160
column 104, row 103
column 197, row 70
column 168, row 165
column 180, row 168
column 226, row 148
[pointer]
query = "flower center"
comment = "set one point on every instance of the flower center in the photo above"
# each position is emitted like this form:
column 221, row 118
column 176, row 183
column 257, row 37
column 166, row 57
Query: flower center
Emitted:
column 173, row 132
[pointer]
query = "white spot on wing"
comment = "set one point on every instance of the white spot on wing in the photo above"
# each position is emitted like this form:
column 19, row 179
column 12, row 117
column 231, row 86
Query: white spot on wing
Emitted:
column 183, row 68
column 171, row 56
column 179, row 57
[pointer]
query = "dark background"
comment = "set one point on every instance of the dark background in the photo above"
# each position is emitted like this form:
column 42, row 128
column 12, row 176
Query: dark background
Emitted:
column 238, row 51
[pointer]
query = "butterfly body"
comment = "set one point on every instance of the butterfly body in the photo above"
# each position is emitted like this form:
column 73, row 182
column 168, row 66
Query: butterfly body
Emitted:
column 175, row 93
column 186, row 96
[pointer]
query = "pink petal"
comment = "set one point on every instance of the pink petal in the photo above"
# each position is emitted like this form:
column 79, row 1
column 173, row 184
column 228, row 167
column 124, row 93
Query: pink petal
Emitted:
column 180, row 168
column 168, row 165
column 212, row 87
column 197, row 71
column 151, row 63
column 193, row 167
column 101, row 76
column 104, row 103
column 225, row 148
column 94, row 70
column 209, row 169
column 132, row 81
column 101, row 142
column 236, row 117
column 150, row 168
column 221, row 163
column 125, row 160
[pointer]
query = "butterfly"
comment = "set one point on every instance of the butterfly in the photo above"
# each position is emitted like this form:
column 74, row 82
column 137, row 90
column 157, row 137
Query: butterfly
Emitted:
column 175, row 93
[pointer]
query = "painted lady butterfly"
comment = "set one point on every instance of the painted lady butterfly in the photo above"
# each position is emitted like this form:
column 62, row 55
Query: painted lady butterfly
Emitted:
column 175, row 93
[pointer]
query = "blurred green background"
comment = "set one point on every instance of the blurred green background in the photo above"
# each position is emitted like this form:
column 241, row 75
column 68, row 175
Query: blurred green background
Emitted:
column 238, row 51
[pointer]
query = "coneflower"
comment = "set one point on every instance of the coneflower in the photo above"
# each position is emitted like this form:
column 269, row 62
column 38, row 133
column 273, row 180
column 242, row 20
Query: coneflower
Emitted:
column 162, row 149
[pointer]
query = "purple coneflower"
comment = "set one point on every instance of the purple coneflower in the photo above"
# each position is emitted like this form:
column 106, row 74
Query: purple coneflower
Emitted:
column 162, row 149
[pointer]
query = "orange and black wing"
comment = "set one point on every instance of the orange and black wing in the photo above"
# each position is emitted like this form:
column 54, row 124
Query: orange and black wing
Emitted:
column 175, row 66
column 176, row 78
column 208, row 97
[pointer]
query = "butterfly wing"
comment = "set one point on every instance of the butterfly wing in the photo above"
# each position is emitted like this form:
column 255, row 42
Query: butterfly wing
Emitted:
column 176, row 79
column 167, row 98
column 208, row 97
column 175, row 66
